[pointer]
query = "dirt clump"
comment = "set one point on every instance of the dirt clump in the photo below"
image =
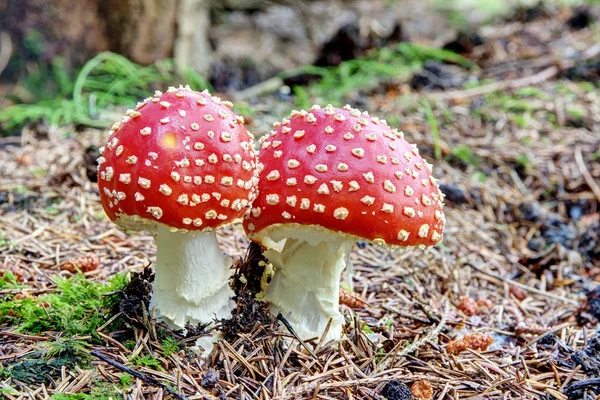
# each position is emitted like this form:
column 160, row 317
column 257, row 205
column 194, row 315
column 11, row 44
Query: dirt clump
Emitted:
column 246, row 283
column 396, row 390
column 136, row 295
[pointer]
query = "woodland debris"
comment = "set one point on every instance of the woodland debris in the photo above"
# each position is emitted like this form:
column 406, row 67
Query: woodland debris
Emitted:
column 475, row 341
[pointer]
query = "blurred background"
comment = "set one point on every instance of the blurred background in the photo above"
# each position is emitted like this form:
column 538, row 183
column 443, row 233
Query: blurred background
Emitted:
column 65, row 61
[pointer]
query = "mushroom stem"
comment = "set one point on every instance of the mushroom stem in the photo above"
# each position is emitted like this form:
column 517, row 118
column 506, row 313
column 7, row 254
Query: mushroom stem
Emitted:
column 192, row 278
column 305, row 286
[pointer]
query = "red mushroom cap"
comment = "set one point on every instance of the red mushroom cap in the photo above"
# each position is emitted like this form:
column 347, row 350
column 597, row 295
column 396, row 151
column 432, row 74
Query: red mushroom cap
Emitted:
column 183, row 159
column 345, row 171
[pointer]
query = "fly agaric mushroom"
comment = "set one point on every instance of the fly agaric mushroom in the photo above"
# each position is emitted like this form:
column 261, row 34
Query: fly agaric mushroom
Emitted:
column 333, row 176
column 181, row 165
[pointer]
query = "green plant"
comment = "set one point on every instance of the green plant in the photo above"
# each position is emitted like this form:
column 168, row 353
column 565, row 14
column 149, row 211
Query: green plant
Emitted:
column 9, row 280
column 170, row 346
column 464, row 153
column 75, row 351
column 523, row 160
column 126, row 379
column 437, row 148
column 398, row 62
column 147, row 361
column 105, row 82
column 78, row 307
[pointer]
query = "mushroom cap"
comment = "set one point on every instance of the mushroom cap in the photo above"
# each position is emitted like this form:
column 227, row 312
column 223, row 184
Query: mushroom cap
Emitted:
column 181, row 158
column 344, row 171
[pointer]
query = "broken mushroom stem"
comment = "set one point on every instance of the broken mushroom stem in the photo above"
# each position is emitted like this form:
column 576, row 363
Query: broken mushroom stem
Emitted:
column 309, row 295
column 185, row 262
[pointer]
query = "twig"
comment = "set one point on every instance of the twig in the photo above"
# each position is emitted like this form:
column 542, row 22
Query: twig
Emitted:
column 541, row 76
column 583, row 384
column 589, row 179
column 289, row 327
column 137, row 374
column 488, row 275
column 5, row 50
column 429, row 336
column 264, row 87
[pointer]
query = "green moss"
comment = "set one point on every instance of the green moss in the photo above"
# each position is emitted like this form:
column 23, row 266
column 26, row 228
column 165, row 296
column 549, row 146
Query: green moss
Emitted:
column 100, row 391
column 8, row 280
column 78, row 307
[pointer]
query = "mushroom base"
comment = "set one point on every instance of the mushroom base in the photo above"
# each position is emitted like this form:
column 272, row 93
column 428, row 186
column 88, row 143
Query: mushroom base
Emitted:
column 192, row 278
column 305, row 286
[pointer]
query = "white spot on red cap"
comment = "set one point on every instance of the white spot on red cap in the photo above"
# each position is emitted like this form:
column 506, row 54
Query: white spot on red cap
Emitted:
column 125, row 178
column 227, row 180
column 273, row 175
column 337, row 185
column 323, row 189
column 403, row 235
column 143, row 182
column 165, row 189
column 272, row 199
column 369, row 177
column 156, row 212
column 368, row 200
column 358, row 152
column 388, row 186
column 183, row 199
column 309, row 179
column 291, row 201
column 340, row 213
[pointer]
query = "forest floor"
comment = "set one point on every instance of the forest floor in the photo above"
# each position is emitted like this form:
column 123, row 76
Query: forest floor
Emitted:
column 507, row 307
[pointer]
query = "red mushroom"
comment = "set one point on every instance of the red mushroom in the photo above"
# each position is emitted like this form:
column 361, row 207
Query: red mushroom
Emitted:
column 181, row 165
column 333, row 176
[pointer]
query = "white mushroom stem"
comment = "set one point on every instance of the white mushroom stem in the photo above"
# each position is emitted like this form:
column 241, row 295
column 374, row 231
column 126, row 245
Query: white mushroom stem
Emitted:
column 305, row 287
column 192, row 278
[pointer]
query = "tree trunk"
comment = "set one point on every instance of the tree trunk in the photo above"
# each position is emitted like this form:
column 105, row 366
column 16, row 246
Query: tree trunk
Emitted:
column 41, row 30
column 142, row 30
column 192, row 48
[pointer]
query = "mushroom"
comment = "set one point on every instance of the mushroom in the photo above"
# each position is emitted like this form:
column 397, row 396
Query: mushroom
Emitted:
column 331, row 177
column 181, row 165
